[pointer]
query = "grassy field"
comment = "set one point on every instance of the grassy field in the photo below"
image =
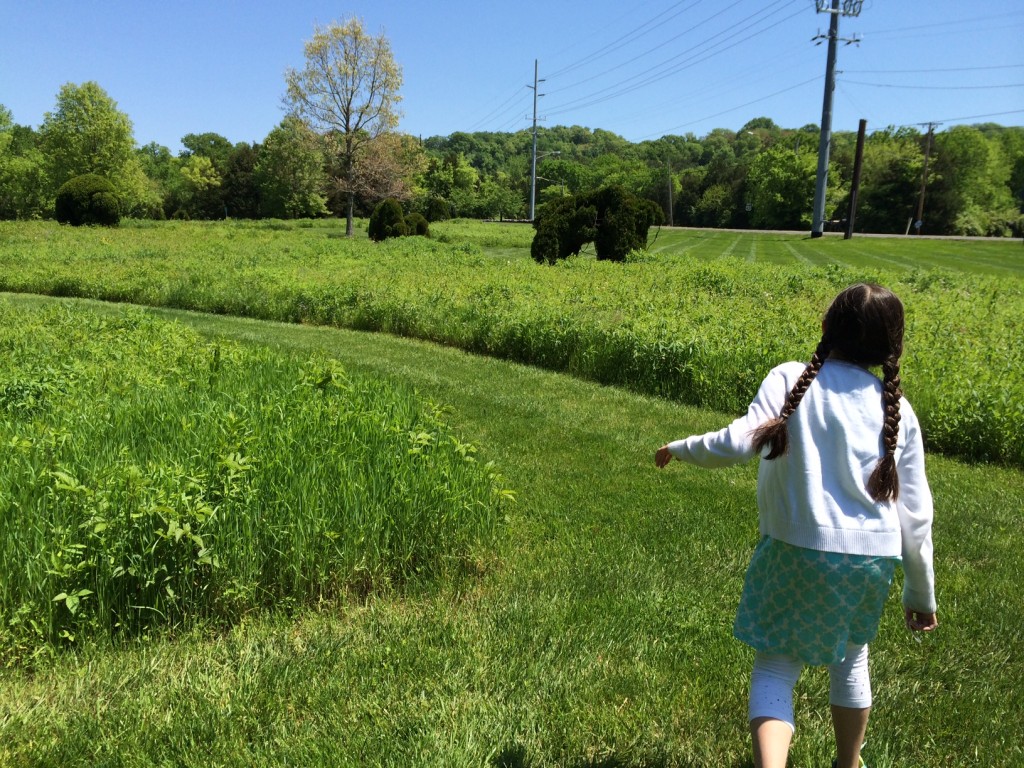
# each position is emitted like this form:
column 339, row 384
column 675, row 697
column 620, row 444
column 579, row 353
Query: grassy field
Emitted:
column 599, row 636
column 699, row 318
column 597, row 632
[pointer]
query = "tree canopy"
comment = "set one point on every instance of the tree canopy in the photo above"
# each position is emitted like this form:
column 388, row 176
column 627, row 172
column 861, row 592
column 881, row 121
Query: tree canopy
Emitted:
column 350, row 88
column 756, row 175
column 87, row 134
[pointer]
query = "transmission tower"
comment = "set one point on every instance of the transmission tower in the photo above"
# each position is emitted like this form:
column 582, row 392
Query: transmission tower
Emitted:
column 836, row 9
column 533, row 154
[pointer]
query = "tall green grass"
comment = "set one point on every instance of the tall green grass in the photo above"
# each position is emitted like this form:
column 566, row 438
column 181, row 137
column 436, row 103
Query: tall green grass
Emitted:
column 698, row 329
column 153, row 479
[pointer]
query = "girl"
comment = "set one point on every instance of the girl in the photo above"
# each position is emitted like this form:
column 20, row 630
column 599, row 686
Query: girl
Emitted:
column 842, row 496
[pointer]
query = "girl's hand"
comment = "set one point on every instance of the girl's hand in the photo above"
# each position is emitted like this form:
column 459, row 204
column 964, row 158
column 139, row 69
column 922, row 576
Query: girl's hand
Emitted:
column 662, row 457
column 920, row 622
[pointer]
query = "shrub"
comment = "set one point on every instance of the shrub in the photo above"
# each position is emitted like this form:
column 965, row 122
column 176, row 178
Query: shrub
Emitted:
column 437, row 209
column 87, row 199
column 544, row 247
column 386, row 220
column 563, row 227
column 416, row 224
column 623, row 221
column 616, row 222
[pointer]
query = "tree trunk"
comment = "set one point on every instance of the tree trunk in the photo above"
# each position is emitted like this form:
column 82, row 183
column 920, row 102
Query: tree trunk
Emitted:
column 351, row 210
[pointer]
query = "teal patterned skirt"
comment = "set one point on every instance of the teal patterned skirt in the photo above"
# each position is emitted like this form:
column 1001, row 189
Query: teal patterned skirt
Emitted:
column 810, row 604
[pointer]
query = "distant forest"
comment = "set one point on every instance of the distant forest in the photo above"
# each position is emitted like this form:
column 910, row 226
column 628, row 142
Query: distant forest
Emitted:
column 759, row 175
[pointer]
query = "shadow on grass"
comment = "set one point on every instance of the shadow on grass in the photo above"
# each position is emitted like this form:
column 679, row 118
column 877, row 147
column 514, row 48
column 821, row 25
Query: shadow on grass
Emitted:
column 516, row 756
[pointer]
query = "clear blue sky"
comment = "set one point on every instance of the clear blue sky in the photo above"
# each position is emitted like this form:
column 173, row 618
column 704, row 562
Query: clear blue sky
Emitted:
column 640, row 68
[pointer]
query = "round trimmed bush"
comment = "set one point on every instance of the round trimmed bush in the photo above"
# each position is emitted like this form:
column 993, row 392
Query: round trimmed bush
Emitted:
column 386, row 220
column 416, row 224
column 87, row 199
column 437, row 209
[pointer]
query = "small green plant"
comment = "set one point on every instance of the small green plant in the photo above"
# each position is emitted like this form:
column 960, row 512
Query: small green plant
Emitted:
column 87, row 199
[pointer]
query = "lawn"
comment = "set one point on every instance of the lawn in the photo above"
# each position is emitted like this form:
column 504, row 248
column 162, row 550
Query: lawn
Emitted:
column 598, row 635
column 596, row 631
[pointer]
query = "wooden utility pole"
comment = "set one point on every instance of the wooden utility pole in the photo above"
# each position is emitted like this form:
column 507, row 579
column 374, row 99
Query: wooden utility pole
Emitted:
column 671, row 204
column 919, row 219
column 855, row 186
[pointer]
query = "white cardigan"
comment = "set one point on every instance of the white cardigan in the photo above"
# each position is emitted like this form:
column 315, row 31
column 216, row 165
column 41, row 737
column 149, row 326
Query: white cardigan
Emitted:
column 815, row 495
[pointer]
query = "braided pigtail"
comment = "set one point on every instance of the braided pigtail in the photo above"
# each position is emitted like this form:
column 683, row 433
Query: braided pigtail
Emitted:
column 884, row 483
column 773, row 434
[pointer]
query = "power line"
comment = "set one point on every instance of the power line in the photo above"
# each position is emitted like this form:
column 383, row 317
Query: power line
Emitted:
column 816, row 78
column 666, row 69
column 929, row 70
column 934, row 87
column 978, row 117
column 518, row 93
column 721, row 88
column 623, row 40
column 616, row 23
column 919, row 27
column 672, row 65
column 918, row 33
column 646, row 53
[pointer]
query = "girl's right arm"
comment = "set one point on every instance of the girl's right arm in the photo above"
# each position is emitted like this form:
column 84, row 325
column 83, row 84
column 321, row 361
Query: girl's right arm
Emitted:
column 732, row 445
column 920, row 622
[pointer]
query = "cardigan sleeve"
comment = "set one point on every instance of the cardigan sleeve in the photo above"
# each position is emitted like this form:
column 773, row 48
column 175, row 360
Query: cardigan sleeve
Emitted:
column 914, row 505
column 732, row 445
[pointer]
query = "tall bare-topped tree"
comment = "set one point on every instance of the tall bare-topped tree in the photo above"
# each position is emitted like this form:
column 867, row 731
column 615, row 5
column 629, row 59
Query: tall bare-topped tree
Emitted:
column 348, row 89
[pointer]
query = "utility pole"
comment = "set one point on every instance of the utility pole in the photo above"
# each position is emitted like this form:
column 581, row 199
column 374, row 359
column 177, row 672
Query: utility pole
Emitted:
column 533, row 156
column 671, row 204
column 855, row 185
column 838, row 8
column 919, row 219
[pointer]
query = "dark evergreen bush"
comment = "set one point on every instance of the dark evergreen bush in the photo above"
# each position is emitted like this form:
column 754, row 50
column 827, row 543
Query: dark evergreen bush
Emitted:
column 386, row 220
column 437, row 209
column 623, row 222
column 415, row 224
column 544, row 247
column 87, row 199
column 616, row 221
column 563, row 227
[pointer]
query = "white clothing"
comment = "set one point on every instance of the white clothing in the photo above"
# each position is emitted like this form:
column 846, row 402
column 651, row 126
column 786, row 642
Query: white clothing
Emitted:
column 774, row 677
column 815, row 495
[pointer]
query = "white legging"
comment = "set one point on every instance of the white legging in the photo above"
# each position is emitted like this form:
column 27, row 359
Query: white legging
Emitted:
column 774, row 677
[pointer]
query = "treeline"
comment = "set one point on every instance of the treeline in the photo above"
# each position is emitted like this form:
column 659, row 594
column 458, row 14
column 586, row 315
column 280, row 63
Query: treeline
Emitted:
column 760, row 175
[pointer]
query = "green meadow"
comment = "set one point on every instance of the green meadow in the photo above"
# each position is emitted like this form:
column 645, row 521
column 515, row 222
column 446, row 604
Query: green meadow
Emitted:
column 697, row 319
column 577, row 608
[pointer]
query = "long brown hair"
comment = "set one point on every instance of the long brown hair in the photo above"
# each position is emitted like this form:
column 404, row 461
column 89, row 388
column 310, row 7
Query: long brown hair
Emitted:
column 864, row 325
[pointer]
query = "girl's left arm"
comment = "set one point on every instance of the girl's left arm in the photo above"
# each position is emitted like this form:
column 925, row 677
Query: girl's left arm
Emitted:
column 916, row 511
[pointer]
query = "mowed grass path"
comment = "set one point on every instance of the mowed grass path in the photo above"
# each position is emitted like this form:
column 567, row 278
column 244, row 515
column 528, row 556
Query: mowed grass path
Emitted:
column 599, row 634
